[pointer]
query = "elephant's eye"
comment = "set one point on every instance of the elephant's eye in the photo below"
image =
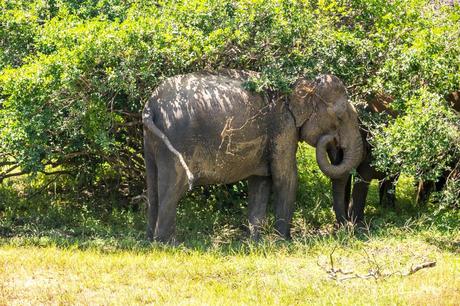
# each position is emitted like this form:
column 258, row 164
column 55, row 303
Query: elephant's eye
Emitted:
column 302, row 93
column 340, row 109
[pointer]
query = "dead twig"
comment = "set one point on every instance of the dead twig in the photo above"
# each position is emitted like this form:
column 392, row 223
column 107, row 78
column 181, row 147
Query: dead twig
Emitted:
column 8, row 175
column 375, row 273
column 413, row 269
column 140, row 198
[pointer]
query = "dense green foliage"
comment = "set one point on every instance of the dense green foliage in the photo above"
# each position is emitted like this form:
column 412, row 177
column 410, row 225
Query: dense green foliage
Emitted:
column 423, row 142
column 75, row 74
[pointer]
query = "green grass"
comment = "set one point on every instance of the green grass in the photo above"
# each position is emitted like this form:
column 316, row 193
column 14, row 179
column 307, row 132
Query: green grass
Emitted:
column 269, row 273
column 63, row 247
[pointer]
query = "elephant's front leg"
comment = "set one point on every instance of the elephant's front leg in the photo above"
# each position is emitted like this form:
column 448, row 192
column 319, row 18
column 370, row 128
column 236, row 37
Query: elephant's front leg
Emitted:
column 284, row 177
column 359, row 194
column 259, row 194
column 341, row 189
column 387, row 191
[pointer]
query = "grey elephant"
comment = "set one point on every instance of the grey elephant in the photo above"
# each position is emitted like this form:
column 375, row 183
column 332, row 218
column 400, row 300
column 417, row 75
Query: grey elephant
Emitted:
column 206, row 128
column 348, row 202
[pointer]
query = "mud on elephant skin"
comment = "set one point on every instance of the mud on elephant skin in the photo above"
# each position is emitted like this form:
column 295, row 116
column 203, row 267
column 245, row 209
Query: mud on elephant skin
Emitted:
column 206, row 128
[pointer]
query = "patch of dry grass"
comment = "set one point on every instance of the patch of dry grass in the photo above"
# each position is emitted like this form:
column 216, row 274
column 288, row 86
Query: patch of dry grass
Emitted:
column 268, row 274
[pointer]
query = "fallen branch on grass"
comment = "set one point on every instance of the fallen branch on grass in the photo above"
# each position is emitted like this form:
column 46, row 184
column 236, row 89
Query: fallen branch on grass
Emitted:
column 413, row 269
column 375, row 273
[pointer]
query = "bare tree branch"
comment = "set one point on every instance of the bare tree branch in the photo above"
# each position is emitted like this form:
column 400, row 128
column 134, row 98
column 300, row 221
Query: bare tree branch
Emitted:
column 8, row 175
column 375, row 273
column 7, row 163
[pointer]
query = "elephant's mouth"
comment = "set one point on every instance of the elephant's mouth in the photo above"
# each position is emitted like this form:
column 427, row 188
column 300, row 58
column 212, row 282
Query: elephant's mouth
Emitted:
column 352, row 155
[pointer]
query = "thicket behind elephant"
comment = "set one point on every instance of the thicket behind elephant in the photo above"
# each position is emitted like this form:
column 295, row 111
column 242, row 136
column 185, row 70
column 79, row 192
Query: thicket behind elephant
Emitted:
column 206, row 128
column 425, row 188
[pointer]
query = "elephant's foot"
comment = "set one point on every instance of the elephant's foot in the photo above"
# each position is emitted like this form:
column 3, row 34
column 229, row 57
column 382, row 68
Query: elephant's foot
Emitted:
column 170, row 241
column 283, row 229
column 388, row 202
column 342, row 224
column 345, row 226
column 150, row 236
column 253, row 232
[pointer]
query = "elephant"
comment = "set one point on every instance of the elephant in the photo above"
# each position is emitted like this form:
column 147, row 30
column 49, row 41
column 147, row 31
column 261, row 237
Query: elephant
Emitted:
column 344, row 209
column 206, row 128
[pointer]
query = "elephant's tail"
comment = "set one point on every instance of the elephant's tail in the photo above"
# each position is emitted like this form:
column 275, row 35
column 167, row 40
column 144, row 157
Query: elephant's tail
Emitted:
column 147, row 121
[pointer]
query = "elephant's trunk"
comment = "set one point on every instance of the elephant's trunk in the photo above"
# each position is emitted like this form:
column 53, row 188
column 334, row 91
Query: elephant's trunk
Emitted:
column 352, row 156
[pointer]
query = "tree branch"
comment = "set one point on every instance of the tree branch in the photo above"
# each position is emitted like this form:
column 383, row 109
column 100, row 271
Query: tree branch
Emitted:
column 8, row 175
column 375, row 273
column 7, row 163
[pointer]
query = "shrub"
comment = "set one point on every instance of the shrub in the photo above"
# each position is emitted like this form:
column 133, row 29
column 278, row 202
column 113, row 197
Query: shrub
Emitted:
column 75, row 75
column 423, row 142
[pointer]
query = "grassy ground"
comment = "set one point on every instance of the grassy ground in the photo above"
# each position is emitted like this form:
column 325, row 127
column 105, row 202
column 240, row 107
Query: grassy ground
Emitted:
column 72, row 248
column 269, row 273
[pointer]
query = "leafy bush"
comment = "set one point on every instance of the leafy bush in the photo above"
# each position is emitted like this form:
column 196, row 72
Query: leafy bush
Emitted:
column 422, row 142
column 75, row 74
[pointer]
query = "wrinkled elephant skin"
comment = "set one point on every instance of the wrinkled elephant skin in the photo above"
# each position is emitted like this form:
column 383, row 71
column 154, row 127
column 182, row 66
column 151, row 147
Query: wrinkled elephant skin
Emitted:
column 206, row 128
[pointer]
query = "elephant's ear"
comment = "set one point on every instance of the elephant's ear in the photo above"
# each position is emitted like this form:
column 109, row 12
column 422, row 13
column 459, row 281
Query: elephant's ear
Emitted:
column 299, row 99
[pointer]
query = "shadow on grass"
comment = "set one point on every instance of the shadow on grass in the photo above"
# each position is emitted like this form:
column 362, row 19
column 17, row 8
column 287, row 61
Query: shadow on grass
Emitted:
column 445, row 243
column 208, row 222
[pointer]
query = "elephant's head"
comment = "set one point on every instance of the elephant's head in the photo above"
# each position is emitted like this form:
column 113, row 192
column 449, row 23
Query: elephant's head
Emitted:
column 326, row 118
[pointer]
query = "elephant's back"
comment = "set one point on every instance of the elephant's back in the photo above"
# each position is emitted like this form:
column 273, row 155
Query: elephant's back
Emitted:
column 203, row 102
column 213, row 121
column 202, row 94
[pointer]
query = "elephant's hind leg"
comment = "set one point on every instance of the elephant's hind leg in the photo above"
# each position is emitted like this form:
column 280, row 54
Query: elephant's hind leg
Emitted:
column 152, row 195
column 259, row 194
column 172, row 185
column 152, row 187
